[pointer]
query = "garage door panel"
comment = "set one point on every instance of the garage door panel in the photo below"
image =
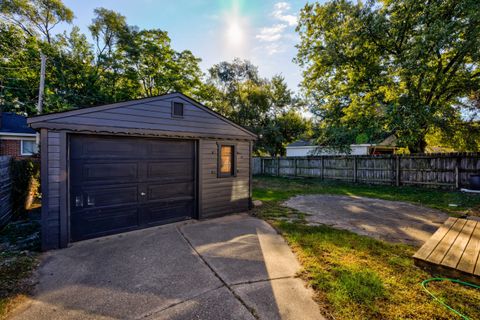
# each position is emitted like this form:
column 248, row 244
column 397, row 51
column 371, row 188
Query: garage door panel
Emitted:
column 168, row 211
column 170, row 170
column 168, row 191
column 104, row 148
column 93, row 171
column 111, row 196
column 171, row 149
column 120, row 183
column 95, row 222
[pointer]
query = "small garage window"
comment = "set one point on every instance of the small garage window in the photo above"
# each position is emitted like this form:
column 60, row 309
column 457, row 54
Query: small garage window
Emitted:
column 177, row 109
column 226, row 160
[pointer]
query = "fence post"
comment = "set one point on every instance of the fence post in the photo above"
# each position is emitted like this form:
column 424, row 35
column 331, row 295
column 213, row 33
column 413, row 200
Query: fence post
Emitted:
column 278, row 166
column 322, row 173
column 355, row 169
column 295, row 166
column 397, row 170
column 457, row 173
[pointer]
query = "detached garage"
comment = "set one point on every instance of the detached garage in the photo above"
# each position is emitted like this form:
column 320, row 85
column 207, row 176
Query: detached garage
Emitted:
column 137, row 164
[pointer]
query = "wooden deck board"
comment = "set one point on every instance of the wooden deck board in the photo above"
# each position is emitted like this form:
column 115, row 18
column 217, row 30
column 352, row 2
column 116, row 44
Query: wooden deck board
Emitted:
column 470, row 255
column 453, row 250
column 431, row 243
column 444, row 245
column 457, row 249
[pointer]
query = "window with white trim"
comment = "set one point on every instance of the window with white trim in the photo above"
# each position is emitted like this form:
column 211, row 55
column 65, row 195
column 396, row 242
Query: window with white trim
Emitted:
column 28, row 147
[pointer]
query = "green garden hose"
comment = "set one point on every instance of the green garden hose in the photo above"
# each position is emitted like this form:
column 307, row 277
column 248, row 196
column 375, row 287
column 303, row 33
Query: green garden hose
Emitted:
column 424, row 283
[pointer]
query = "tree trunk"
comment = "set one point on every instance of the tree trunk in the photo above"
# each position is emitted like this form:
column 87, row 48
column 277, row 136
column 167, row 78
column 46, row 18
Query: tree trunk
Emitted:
column 419, row 146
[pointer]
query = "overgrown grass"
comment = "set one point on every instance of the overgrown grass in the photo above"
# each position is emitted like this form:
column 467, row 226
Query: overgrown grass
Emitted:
column 357, row 277
column 19, row 245
column 276, row 189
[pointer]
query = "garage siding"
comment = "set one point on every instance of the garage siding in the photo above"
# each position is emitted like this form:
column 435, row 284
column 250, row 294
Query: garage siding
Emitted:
column 224, row 195
column 51, row 216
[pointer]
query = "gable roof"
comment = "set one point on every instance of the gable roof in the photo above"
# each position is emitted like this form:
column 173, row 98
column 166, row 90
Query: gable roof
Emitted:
column 41, row 120
column 11, row 122
column 302, row 143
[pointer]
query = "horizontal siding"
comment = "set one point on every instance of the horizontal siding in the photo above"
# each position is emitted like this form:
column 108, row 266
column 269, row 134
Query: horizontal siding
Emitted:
column 51, row 239
column 155, row 115
column 224, row 195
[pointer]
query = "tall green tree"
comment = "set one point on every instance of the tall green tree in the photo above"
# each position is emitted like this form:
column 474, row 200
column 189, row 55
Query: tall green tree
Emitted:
column 36, row 16
column 391, row 66
column 265, row 106
column 122, row 63
column 158, row 67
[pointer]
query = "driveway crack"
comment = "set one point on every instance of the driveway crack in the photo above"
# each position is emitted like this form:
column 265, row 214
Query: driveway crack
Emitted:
column 262, row 280
column 177, row 303
column 251, row 310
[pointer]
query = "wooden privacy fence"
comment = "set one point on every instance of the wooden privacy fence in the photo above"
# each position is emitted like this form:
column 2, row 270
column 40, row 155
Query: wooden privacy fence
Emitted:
column 5, row 191
column 447, row 170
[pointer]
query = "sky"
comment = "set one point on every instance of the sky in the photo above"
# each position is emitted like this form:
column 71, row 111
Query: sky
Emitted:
column 262, row 31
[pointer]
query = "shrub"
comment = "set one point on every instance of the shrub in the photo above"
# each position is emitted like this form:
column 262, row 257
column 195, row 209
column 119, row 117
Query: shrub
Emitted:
column 25, row 175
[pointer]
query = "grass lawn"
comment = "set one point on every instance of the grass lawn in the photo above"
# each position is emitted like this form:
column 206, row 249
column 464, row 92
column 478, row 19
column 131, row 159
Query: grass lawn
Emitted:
column 357, row 277
column 19, row 246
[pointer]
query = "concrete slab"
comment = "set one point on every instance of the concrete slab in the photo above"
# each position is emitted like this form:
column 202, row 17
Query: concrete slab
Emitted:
column 242, row 249
column 234, row 267
column 124, row 276
column 218, row 304
column 290, row 299
column 386, row 220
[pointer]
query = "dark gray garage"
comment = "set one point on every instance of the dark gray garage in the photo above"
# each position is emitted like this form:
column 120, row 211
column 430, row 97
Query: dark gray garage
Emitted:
column 137, row 164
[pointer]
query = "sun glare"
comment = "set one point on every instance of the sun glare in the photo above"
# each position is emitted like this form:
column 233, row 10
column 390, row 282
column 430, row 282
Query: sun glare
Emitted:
column 234, row 33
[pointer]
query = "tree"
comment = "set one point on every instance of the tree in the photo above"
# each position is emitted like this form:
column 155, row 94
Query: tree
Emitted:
column 158, row 67
column 389, row 66
column 19, row 64
column 281, row 130
column 266, row 107
column 36, row 16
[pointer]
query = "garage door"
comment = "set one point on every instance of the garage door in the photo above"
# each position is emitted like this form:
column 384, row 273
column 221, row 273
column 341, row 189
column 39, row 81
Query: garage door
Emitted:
column 119, row 184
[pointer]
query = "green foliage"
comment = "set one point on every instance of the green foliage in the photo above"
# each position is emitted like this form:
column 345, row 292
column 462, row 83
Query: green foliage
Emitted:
column 25, row 175
column 123, row 63
column 387, row 66
column 465, row 137
column 36, row 16
column 265, row 106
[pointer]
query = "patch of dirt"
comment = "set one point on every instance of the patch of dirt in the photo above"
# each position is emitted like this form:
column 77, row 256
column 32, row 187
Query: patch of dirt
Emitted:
column 381, row 219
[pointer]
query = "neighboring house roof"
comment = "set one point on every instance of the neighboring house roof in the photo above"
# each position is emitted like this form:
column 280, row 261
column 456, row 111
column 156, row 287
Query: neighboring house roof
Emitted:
column 47, row 120
column 302, row 143
column 12, row 123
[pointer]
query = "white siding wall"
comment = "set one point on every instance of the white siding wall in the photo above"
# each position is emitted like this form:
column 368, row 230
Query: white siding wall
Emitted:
column 359, row 150
column 312, row 150
column 299, row 151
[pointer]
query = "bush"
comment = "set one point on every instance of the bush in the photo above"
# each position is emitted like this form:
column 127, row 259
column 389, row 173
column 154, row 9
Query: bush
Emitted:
column 25, row 175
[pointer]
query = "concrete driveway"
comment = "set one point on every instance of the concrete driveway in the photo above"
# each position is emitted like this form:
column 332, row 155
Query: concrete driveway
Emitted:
column 386, row 220
column 234, row 267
